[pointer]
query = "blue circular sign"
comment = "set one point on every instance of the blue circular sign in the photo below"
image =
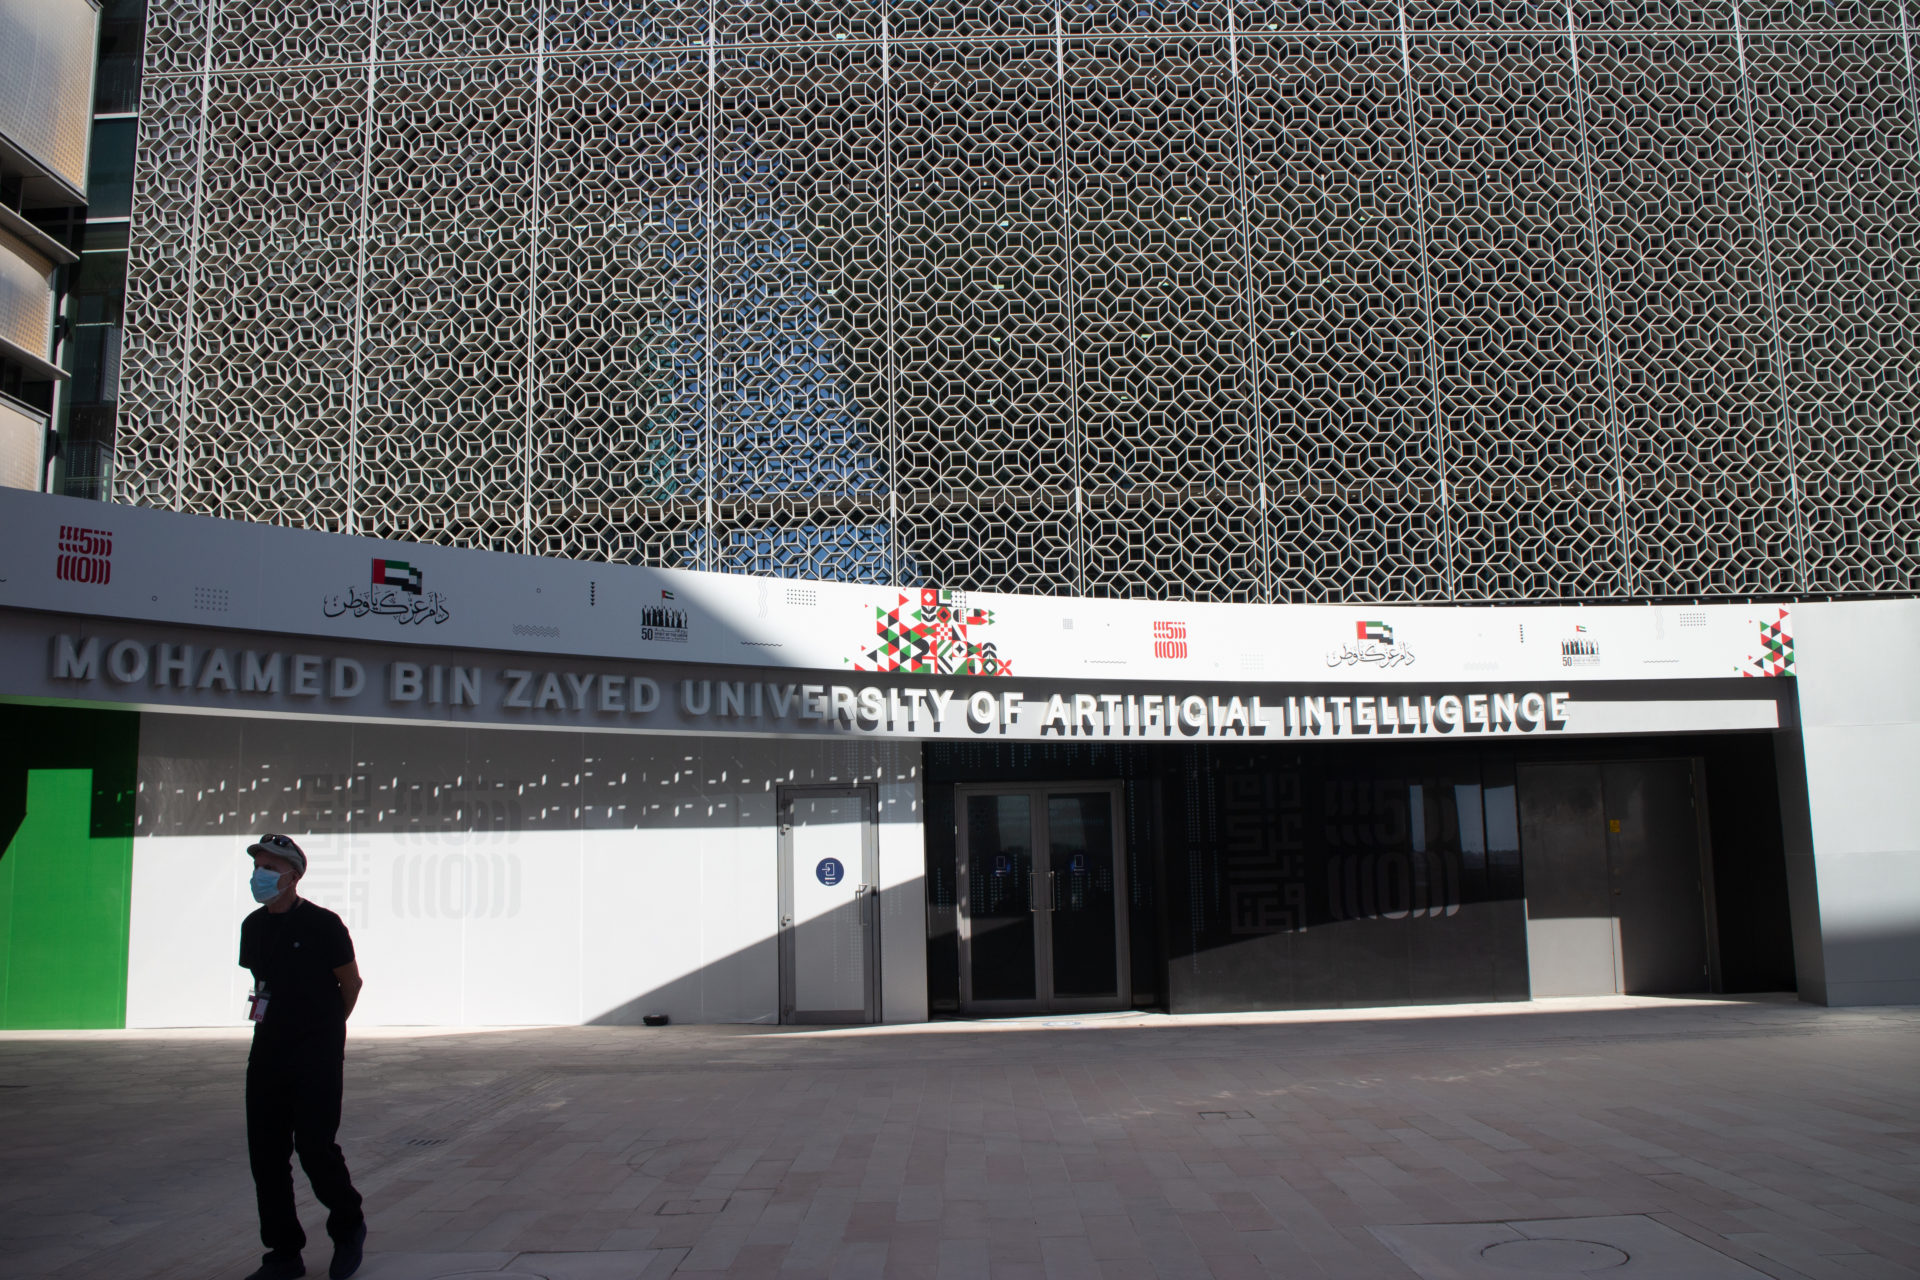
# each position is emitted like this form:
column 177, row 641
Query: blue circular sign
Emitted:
column 830, row 872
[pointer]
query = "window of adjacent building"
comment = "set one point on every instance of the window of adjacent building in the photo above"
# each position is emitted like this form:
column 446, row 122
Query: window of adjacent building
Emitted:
column 110, row 169
column 116, row 84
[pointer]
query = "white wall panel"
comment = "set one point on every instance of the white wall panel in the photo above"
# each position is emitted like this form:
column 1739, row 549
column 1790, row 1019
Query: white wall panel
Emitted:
column 1859, row 687
column 525, row 967
column 495, row 878
column 643, row 923
column 903, row 900
column 189, row 896
column 410, row 949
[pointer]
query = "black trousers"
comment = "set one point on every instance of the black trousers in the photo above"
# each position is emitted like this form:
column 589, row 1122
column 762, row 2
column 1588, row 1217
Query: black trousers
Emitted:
column 294, row 1105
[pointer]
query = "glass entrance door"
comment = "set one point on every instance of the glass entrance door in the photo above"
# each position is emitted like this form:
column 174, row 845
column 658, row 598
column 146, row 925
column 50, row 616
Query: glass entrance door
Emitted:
column 1042, row 911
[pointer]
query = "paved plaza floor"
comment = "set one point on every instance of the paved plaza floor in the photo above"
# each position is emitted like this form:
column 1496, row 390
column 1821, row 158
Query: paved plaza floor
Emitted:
column 1626, row 1137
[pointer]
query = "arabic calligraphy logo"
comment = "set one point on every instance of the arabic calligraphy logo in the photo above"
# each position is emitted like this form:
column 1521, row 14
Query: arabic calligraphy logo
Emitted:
column 1372, row 643
column 386, row 596
column 85, row 555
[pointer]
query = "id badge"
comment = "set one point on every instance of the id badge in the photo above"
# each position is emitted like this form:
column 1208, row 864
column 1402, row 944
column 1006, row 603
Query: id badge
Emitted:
column 257, row 1005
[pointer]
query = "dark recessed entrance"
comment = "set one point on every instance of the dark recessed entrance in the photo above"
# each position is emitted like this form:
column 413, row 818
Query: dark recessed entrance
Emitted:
column 1304, row 876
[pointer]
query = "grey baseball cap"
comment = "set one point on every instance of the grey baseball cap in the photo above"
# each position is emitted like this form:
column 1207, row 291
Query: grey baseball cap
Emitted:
column 280, row 847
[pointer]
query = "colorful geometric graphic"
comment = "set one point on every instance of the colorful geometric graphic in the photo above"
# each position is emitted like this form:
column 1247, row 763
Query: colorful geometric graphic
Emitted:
column 935, row 636
column 1776, row 650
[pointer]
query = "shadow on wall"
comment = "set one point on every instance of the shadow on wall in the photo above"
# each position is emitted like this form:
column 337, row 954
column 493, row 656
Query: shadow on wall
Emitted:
column 828, row 953
column 204, row 775
column 504, row 877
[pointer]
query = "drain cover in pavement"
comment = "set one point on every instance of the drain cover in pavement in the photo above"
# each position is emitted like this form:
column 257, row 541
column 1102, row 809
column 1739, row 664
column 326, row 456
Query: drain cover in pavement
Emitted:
column 1553, row 1257
column 1628, row 1245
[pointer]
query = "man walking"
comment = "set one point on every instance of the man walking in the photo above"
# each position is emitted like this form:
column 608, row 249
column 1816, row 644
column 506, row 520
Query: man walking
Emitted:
column 305, row 982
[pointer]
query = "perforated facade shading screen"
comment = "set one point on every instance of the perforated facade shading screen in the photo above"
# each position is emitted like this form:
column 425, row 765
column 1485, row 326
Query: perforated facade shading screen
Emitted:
column 46, row 93
column 1294, row 302
column 26, row 296
column 21, row 434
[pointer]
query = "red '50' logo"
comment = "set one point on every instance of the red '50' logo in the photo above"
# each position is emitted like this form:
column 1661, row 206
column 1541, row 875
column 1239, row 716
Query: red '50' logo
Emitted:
column 84, row 555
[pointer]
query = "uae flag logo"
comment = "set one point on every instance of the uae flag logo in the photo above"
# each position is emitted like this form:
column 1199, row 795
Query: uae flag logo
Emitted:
column 396, row 573
column 1373, row 631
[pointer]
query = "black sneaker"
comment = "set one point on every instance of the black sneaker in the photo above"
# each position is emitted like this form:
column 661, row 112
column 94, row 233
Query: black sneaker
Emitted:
column 280, row 1266
column 346, row 1254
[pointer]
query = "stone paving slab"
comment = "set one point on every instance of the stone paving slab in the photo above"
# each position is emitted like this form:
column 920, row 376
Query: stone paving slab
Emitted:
column 1771, row 1137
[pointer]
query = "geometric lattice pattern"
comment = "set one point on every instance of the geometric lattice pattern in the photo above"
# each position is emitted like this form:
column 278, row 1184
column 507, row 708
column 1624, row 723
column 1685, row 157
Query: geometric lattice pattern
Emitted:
column 1240, row 300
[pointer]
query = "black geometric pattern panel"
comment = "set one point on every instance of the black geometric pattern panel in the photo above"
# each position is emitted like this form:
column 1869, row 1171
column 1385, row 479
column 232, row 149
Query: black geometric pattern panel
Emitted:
column 1169, row 452
column 1235, row 300
column 1684, row 276
column 1834, row 133
column 443, row 348
column 802, row 421
column 983, row 388
column 1352, row 455
column 1530, row 469
column 616, row 453
column 272, row 327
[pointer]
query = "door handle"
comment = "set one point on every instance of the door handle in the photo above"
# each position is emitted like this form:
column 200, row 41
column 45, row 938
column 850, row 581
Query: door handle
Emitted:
column 863, row 895
column 1034, row 903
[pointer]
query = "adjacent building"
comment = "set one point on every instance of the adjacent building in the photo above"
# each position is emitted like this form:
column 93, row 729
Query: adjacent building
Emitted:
column 46, row 90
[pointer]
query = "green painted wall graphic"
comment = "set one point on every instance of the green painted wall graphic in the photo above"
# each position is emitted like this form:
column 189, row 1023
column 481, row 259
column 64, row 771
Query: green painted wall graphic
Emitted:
column 66, row 865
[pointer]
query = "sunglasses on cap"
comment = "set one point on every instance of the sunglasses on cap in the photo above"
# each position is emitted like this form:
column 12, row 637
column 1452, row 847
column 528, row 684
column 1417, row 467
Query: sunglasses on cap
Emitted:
column 278, row 842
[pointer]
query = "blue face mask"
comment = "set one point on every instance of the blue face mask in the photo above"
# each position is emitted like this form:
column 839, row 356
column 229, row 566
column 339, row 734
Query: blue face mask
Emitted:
column 265, row 884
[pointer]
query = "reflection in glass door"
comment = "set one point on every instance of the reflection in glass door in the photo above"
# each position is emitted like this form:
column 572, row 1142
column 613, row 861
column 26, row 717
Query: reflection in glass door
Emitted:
column 1004, row 921
column 1042, row 912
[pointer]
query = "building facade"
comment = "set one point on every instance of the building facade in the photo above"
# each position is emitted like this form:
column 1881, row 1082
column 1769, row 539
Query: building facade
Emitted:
column 880, row 511
column 1433, row 302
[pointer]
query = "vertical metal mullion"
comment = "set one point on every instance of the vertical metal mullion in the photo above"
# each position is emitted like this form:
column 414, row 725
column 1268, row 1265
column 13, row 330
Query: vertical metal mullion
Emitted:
column 531, row 378
column 1427, row 305
column 710, row 305
column 356, row 386
column 195, row 231
column 1075, row 429
column 1590, row 183
column 894, row 540
column 1913, row 86
column 1763, row 218
column 1243, row 196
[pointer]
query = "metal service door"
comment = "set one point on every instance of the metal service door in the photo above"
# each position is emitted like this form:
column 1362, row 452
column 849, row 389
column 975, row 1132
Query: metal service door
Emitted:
column 1654, row 845
column 1614, row 856
column 829, row 905
column 1043, row 914
column 1571, row 948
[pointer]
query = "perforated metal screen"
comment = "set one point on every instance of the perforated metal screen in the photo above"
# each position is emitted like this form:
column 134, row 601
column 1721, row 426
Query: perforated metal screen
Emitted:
column 1289, row 301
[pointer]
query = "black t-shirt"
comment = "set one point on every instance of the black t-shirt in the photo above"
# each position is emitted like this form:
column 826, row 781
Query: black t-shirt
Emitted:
column 294, row 955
